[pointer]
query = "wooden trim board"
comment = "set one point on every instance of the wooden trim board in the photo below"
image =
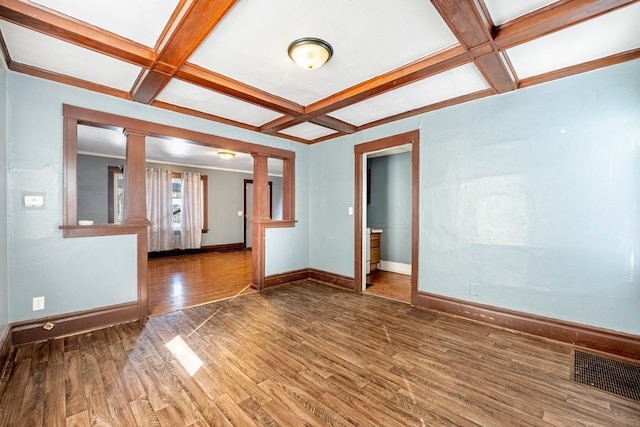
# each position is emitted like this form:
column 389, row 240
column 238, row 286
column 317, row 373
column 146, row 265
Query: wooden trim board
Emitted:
column 72, row 323
column 339, row 280
column 591, row 337
column 287, row 277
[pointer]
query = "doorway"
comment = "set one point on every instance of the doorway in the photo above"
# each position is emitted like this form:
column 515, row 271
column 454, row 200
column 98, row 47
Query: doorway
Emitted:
column 410, row 141
column 248, row 210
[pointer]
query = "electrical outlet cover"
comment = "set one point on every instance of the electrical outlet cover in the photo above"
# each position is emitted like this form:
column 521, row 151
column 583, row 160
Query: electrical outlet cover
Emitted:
column 38, row 303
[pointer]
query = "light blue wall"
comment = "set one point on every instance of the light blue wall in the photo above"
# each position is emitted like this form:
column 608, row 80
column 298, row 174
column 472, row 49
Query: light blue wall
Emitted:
column 93, row 187
column 531, row 195
column 537, row 201
column 331, row 190
column 390, row 207
column 287, row 249
column 85, row 273
column 4, row 290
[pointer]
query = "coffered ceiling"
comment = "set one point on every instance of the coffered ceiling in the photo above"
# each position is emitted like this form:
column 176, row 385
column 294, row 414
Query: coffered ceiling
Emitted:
column 227, row 60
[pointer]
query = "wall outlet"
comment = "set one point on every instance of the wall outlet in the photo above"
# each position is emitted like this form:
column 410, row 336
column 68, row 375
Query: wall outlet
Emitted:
column 474, row 289
column 38, row 303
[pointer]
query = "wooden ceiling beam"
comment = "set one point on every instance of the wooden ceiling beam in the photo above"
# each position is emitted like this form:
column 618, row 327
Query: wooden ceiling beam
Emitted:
column 410, row 73
column 67, row 80
column 203, row 115
column 554, row 17
column 285, row 122
column 205, row 78
column 185, row 32
column 472, row 27
column 275, row 126
column 335, row 124
column 572, row 70
column 38, row 18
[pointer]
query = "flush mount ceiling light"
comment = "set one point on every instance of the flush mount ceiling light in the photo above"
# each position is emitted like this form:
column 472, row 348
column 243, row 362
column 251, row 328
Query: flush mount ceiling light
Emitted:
column 226, row 155
column 310, row 53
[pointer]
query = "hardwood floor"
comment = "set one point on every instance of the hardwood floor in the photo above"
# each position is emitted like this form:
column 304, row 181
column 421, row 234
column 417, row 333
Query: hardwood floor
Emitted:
column 389, row 285
column 181, row 281
column 303, row 354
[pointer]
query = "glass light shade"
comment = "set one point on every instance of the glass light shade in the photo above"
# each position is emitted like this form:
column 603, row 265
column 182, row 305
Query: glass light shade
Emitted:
column 310, row 53
column 226, row 155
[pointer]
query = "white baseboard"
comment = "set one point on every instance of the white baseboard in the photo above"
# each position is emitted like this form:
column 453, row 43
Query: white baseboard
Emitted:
column 395, row 267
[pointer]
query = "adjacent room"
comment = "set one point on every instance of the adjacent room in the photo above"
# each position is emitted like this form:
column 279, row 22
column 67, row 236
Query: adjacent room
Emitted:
column 289, row 212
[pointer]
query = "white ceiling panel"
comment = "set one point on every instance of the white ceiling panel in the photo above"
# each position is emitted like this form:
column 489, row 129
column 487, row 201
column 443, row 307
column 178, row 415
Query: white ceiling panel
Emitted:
column 35, row 49
column 140, row 20
column 308, row 131
column 369, row 37
column 449, row 84
column 502, row 11
column 106, row 142
column 615, row 32
column 185, row 153
column 197, row 98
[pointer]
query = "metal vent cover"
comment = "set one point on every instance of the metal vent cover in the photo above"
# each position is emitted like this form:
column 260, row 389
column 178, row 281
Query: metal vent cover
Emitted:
column 613, row 376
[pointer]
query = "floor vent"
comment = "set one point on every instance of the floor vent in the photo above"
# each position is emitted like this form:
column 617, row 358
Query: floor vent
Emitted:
column 607, row 374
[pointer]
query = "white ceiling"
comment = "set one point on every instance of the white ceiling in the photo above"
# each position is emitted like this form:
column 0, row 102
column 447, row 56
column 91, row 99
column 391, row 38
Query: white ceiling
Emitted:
column 363, row 48
column 120, row 16
column 390, row 58
column 615, row 32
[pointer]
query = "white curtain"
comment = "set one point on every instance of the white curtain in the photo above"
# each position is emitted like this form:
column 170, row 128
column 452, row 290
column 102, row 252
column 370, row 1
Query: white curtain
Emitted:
column 159, row 210
column 191, row 228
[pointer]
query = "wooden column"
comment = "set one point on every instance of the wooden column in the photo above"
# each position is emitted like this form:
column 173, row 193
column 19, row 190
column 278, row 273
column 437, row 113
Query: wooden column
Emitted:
column 135, row 207
column 259, row 216
column 288, row 189
column 70, row 131
column 135, row 180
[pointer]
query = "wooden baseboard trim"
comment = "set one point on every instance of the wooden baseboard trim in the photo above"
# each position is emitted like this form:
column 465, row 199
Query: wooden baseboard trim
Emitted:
column 608, row 341
column 71, row 323
column 289, row 276
column 224, row 247
column 210, row 248
column 339, row 280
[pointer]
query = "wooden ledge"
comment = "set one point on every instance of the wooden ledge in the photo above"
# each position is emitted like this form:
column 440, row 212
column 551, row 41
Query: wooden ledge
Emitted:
column 100, row 229
column 270, row 223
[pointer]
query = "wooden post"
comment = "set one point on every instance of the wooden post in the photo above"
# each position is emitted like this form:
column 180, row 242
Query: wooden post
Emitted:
column 135, row 179
column 259, row 216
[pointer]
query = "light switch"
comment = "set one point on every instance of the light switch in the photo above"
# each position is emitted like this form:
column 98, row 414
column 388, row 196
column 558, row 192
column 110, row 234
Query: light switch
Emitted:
column 33, row 201
column 350, row 210
column 239, row 213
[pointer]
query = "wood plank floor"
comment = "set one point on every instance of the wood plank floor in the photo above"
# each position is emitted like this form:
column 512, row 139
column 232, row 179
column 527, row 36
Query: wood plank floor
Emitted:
column 389, row 285
column 181, row 281
column 303, row 354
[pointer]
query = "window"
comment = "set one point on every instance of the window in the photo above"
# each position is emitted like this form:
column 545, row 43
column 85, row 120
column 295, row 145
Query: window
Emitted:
column 115, row 192
column 116, row 198
column 176, row 202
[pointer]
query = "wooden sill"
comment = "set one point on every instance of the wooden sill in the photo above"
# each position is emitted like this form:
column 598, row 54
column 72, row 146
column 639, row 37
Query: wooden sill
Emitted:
column 100, row 229
column 270, row 223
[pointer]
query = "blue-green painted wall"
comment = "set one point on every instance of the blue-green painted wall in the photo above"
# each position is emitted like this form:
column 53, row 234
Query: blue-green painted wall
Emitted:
column 389, row 209
column 531, row 195
column 84, row 273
